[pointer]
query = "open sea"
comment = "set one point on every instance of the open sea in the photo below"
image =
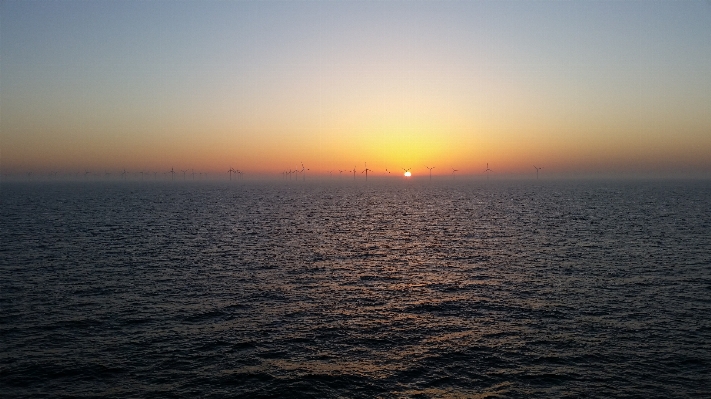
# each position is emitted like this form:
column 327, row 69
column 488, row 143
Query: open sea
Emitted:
column 356, row 290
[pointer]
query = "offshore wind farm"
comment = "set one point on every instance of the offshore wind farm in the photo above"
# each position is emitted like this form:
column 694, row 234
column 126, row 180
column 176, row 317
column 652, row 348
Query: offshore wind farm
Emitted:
column 522, row 203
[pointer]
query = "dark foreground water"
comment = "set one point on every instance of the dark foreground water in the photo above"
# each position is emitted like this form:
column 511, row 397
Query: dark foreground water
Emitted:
column 569, row 289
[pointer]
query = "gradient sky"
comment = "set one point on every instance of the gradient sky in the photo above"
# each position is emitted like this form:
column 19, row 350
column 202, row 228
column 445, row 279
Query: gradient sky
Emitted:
column 575, row 87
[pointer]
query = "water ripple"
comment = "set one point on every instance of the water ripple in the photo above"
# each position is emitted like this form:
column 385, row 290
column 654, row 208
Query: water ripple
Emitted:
column 333, row 290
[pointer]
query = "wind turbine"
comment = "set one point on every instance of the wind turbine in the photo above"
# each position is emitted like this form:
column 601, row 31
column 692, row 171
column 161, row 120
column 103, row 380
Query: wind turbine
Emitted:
column 123, row 174
column 172, row 174
column 366, row 171
column 231, row 171
column 430, row 171
column 340, row 173
column 354, row 172
column 303, row 174
column 454, row 171
column 537, row 169
column 184, row 173
column 487, row 171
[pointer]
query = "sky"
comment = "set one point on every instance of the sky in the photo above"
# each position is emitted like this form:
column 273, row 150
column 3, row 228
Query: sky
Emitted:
column 578, row 88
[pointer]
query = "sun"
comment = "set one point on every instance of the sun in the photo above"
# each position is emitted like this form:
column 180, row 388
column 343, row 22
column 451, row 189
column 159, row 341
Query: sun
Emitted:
column 408, row 174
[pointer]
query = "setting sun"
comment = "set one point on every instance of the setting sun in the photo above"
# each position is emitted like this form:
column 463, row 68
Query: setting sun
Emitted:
column 408, row 174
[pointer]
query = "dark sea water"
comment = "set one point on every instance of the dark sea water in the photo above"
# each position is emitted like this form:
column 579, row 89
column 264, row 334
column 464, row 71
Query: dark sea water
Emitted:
column 404, row 289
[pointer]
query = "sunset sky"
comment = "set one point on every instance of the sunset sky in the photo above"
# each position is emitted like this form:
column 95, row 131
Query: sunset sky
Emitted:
column 578, row 88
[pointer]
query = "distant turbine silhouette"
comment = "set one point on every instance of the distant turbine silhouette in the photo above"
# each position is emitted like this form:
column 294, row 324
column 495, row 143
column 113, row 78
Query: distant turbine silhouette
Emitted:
column 123, row 174
column 454, row 171
column 430, row 171
column 231, row 171
column 537, row 169
column 172, row 174
column 340, row 173
column 487, row 171
column 354, row 172
column 303, row 173
column 366, row 171
column 184, row 173
column 386, row 169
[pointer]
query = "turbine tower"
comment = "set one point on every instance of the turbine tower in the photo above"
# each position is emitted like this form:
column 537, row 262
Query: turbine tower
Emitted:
column 231, row 171
column 354, row 172
column 454, row 171
column 366, row 171
column 303, row 173
column 537, row 169
column 487, row 171
column 430, row 171
column 172, row 174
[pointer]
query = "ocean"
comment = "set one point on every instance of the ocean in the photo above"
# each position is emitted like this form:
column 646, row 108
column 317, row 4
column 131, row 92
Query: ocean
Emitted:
column 342, row 289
